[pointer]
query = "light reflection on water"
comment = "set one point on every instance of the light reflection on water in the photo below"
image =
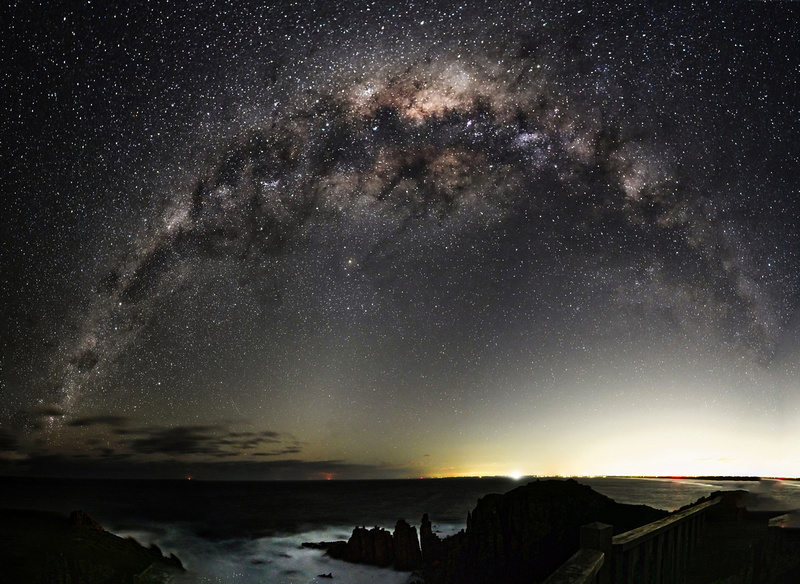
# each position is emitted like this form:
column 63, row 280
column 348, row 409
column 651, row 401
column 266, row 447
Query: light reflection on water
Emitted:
column 671, row 494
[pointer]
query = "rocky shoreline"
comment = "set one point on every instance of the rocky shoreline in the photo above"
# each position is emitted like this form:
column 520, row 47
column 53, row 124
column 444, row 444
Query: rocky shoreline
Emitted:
column 41, row 547
column 521, row 536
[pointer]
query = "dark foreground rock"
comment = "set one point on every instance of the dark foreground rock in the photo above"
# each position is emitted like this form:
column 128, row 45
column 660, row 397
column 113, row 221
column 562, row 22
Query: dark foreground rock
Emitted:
column 47, row 548
column 369, row 546
column 407, row 553
column 377, row 547
column 83, row 519
column 524, row 535
column 747, row 547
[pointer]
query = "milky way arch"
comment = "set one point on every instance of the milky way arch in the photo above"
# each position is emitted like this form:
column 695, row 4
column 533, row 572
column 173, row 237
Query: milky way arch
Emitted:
column 494, row 140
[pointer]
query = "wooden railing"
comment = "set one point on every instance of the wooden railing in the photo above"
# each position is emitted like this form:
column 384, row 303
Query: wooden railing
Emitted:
column 582, row 568
column 656, row 553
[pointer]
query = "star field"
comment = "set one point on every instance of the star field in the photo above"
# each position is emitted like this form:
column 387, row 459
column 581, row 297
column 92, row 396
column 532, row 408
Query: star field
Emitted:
column 376, row 239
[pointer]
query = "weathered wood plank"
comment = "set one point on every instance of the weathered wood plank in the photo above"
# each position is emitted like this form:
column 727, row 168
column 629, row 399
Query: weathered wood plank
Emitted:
column 581, row 568
column 634, row 537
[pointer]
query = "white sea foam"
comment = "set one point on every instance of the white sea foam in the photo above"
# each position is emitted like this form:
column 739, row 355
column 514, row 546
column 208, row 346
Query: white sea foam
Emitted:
column 279, row 560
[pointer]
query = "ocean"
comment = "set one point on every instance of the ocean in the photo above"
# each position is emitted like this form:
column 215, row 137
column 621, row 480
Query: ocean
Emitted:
column 251, row 532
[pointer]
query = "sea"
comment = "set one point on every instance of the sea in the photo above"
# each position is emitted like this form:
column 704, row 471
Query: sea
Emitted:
column 252, row 532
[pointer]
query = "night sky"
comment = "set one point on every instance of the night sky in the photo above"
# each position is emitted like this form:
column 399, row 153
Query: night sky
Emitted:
column 375, row 239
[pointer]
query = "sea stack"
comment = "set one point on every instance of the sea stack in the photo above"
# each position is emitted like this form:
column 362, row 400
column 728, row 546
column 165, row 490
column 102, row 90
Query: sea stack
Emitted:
column 370, row 546
column 378, row 547
column 407, row 555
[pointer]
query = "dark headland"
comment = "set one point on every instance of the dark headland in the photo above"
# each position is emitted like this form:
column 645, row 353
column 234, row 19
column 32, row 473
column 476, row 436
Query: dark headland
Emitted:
column 42, row 547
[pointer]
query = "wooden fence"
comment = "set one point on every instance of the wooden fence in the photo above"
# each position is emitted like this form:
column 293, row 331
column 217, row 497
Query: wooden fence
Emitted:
column 656, row 553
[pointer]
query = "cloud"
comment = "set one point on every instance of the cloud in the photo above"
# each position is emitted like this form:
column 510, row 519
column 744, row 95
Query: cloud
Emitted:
column 214, row 441
column 212, row 452
column 176, row 441
column 47, row 410
column 116, row 465
column 8, row 442
column 41, row 415
column 284, row 451
column 99, row 420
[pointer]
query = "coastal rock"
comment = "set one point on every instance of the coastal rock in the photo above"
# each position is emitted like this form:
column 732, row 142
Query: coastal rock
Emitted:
column 384, row 548
column 373, row 547
column 377, row 547
column 48, row 548
column 431, row 544
column 83, row 519
column 324, row 545
column 524, row 535
column 407, row 554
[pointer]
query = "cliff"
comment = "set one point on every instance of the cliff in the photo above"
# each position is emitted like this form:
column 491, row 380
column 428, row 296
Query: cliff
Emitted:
column 523, row 535
column 47, row 548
